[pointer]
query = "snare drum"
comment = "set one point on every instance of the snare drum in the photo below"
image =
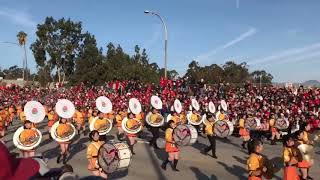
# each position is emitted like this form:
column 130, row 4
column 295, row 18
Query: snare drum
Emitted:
column 185, row 135
column 114, row 157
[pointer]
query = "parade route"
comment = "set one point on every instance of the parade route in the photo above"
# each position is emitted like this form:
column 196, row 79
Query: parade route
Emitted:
column 230, row 165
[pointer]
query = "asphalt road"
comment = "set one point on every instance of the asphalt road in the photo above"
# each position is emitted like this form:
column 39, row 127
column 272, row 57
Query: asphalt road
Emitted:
column 230, row 165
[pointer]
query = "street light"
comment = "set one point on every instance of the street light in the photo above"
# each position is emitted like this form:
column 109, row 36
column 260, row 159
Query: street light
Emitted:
column 165, row 39
column 25, row 56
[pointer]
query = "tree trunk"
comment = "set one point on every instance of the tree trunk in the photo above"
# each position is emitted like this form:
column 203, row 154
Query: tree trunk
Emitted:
column 59, row 75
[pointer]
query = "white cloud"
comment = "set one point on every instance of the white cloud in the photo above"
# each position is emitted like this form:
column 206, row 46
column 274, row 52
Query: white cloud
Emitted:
column 302, row 57
column 240, row 38
column 285, row 54
column 18, row 17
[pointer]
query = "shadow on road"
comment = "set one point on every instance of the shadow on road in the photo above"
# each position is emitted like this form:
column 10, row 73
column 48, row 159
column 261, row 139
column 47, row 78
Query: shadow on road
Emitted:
column 52, row 153
column 235, row 170
column 78, row 147
column 240, row 160
column 155, row 163
column 119, row 174
column 201, row 176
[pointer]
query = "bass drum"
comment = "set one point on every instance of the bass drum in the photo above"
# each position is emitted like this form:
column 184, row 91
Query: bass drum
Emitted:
column 114, row 157
column 282, row 124
column 159, row 121
column 185, row 135
column 34, row 141
column 251, row 123
column 104, row 129
column 223, row 128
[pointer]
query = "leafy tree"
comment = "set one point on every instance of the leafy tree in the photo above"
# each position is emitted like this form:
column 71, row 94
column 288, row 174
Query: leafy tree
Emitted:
column 261, row 76
column 22, row 39
column 14, row 72
column 88, row 67
column 57, row 46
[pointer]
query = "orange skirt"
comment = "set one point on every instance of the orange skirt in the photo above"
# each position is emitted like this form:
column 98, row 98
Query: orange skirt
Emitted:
column 170, row 148
column 50, row 123
column 274, row 130
column 254, row 178
column 131, row 135
column 304, row 164
column 243, row 132
column 92, row 164
column 290, row 173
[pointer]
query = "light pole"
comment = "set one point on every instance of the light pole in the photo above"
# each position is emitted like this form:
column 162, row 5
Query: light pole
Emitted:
column 25, row 56
column 165, row 39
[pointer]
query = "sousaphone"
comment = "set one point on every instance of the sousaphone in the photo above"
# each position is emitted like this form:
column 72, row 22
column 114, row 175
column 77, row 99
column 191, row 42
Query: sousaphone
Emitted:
column 194, row 119
column 65, row 109
column 103, row 126
column 155, row 120
column 135, row 108
column 35, row 113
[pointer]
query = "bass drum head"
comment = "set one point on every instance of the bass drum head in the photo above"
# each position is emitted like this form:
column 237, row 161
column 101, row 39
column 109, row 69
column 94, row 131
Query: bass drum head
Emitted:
column 223, row 128
column 251, row 123
column 113, row 157
column 282, row 123
column 161, row 143
column 183, row 135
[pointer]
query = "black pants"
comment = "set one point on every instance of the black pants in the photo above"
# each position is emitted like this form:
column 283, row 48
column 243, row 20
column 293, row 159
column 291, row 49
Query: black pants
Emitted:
column 212, row 147
column 155, row 135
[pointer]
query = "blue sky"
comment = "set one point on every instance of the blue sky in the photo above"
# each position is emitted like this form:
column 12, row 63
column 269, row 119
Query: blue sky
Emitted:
column 280, row 36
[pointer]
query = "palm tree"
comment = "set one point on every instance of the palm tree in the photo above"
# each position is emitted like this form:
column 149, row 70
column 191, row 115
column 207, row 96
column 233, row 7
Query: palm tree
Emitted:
column 22, row 39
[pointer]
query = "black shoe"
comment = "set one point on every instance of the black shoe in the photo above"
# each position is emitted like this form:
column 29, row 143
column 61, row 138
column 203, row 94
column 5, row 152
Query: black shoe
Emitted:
column 214, row 156
column 175, row 169
column 243, row 145
column 64, row 159
column 164, row 166
column 59, row 158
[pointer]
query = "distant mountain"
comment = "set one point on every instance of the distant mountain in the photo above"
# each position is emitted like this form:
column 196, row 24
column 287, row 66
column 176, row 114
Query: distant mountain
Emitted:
column 311, row 83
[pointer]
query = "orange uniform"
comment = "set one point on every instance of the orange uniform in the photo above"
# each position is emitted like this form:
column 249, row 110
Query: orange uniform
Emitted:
column 254, row 163
column 52, row 118
column 243, row 131
column 79, row 117
column 22, row 116
column 92, row 155
column 119, row 117
column 11, row 113
column 290, row 156
column 170, row 146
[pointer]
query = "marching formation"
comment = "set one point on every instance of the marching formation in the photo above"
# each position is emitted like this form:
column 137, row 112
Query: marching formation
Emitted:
column 182, row 113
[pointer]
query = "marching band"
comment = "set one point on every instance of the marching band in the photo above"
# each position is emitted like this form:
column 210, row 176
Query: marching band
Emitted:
column 182, row 128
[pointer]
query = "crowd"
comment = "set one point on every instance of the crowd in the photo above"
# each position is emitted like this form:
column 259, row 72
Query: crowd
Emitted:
column 299, row 107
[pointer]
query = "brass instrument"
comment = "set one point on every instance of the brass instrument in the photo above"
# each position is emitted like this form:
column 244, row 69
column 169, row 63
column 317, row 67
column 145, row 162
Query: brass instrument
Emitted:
column 134, row 129
column 307, row 152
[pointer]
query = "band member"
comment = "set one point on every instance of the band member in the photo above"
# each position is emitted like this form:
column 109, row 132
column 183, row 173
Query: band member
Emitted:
column 92, row 154
column 255, row 162
column 119, row 117
column 243, row 132
column 11, row 111
column 78, row 118
column 132, row 123
column 26, row 136
column 222, row 115
column 2, row 123
column 175, row 118
column 290, row 157
column 154, row 130
column 171, row 148
column 302, row 136
column 22, row 116
column 195, row 117
column 63, row 129
column 275, row 135
column 209, row 131
column 52, row 118
column 94, row 114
